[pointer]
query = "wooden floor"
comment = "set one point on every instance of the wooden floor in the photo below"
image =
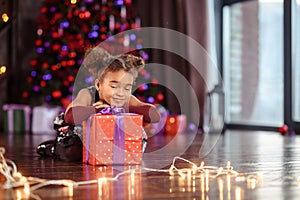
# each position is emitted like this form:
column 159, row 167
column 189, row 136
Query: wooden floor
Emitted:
column 268, row 166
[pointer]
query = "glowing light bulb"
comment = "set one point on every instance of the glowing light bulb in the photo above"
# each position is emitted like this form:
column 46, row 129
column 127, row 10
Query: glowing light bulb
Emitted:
column 194, row 171
column 220, row 170
column 202, row 165
column 240, row 179
column 2, row 69
column 5, row 17
column 228, row 166
column 251, row 183
column 18, row 174
column 181, row 174
column 172, row 120
column 27, row 188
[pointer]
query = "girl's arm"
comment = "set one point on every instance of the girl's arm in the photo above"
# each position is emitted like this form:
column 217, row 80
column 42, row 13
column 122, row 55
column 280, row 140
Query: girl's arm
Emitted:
column 149, row 111
column 80, row 108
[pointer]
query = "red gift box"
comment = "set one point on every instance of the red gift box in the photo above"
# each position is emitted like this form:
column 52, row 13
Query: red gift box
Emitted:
column 113, row 139
column 175, row 124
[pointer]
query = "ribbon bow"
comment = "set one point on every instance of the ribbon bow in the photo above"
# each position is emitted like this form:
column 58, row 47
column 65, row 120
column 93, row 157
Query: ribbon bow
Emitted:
column 111, row 110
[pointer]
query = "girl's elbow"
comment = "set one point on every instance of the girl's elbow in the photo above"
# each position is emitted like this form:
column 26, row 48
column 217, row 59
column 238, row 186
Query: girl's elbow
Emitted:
column 154, row 115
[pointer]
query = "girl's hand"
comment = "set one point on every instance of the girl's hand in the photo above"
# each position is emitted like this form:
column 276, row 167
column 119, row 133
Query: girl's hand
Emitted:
column 100, row 105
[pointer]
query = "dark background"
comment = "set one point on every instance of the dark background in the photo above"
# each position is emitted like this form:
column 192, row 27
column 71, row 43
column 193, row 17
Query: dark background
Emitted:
column 17, row 38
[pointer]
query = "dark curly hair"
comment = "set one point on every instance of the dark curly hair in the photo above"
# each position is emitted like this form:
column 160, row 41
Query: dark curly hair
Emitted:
column 127, row 62
column 96, row 57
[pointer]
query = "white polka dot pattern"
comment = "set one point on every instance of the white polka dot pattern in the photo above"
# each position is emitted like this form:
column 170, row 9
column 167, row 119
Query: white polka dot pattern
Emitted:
column 102, row 141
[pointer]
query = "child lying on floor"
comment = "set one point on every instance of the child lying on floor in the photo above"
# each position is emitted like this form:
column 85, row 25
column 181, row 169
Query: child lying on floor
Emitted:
column 113, row 87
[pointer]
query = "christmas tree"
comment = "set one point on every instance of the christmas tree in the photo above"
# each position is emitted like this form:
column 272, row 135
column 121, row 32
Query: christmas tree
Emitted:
column 65, row 30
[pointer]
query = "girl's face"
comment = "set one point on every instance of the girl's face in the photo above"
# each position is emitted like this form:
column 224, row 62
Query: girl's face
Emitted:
column 115, row 88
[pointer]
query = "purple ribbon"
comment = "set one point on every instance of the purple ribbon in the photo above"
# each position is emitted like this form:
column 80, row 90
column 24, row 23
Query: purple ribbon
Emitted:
column 119, row 141
column 10, row 108
column 119, row 135
column 87, row 145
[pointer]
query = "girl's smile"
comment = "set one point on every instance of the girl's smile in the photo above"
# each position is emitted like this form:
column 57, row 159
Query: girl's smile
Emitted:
column 116, row 87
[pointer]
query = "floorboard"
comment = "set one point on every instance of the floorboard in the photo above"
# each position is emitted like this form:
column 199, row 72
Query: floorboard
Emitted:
column 268, row 166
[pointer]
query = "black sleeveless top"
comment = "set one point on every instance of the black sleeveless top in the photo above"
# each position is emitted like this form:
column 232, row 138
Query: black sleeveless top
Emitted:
column 94, row 94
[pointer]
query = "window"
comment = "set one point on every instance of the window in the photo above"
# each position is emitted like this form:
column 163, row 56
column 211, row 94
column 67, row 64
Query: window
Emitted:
column 253, row 62
column 296, row 60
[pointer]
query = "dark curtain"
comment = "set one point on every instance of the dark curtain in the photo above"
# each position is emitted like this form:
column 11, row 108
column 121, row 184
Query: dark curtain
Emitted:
column 190, row 18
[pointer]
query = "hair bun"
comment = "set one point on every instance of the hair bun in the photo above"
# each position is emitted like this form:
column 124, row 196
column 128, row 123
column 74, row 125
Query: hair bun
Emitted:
column 132, row 60
column 96, row 57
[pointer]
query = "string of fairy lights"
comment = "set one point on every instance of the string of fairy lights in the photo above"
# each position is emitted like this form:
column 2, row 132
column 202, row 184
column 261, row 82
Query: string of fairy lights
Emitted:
column 14, row 179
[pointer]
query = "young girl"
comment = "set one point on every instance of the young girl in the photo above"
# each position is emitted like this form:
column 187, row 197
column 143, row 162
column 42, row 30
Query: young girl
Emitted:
column 113, row 87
